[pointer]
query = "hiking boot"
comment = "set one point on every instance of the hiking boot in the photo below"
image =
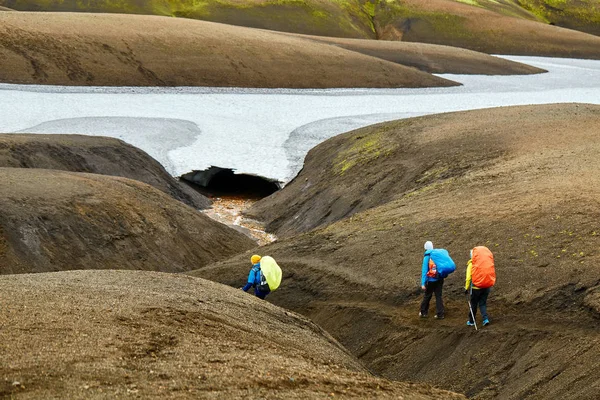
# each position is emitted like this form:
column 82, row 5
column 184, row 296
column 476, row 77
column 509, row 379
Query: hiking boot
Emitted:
column 469, row 323
column 438, row 316
column 486, row 322
column 422, row 315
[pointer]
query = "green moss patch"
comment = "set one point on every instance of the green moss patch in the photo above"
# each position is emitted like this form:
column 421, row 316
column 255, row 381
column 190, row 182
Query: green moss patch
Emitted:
column 363, row 150
column 582, row 15
column 423, row 25
column 346, row 18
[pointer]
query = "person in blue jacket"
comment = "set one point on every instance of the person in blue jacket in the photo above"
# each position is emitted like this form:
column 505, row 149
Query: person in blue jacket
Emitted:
column 431, row 285
column 254, row 278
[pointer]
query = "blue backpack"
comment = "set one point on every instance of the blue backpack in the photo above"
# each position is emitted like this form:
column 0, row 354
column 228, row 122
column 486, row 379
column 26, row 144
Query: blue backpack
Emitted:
column 442, row 262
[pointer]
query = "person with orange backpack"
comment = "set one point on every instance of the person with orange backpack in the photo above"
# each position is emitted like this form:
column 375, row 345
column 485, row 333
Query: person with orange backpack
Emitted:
column 437, row 265
column 481, row 276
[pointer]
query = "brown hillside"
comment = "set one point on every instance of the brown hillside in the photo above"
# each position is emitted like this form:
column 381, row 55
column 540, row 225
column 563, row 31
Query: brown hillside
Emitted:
column 523, row 27
column 432, row 58
column 581, row 15
column 456, row 24
column 6, row 9
column 54, row 220
column 374, row 165
column 93, row 154
column 134, row 50
column 347, row 18
column 117, row 334
column 520, row 180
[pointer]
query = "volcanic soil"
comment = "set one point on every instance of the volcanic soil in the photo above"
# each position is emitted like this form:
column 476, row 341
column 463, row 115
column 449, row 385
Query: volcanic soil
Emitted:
column 528, row 27
column 93, row 154
column 435, row 59
column 316, row 17
column 454, row 23
column 55, row 220
column 521, row 180
column 137, row 50
column 117, row 334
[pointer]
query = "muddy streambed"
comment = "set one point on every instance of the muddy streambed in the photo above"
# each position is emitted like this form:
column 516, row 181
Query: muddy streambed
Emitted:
column 228, row 210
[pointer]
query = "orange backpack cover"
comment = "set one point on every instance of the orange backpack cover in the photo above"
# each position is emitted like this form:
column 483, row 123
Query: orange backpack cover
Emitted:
column 432, row 272
column 483, row 272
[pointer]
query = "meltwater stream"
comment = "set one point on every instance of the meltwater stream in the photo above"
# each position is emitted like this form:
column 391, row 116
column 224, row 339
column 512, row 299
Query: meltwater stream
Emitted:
column 267, row 132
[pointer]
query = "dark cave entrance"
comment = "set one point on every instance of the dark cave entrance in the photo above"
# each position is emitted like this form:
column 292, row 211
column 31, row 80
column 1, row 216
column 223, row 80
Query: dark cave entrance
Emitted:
column 223, row 182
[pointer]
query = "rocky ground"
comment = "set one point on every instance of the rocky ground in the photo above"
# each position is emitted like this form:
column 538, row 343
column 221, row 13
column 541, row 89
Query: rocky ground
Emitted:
column 520, row 180
column 134, row 334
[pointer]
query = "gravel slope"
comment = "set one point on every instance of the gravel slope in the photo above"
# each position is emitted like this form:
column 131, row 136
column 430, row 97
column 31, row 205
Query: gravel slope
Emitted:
column 122, row 334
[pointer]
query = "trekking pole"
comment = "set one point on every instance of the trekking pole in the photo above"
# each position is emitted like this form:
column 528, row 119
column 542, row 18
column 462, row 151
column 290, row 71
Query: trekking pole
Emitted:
column 471, row 308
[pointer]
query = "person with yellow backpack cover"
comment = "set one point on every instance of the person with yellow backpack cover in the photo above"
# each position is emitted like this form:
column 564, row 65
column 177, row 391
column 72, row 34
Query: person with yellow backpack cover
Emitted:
column 481, row 276
column 265, row 276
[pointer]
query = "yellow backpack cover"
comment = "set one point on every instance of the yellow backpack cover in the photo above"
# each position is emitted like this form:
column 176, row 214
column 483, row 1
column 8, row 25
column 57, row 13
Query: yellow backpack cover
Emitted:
column 271, row 271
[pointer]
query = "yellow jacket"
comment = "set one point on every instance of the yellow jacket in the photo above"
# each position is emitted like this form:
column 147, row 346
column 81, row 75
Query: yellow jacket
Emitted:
column 469, row 270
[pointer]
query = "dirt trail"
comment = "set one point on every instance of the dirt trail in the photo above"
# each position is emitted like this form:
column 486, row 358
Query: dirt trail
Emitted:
column 537, row 349
column 486, row 362
column 505, row 318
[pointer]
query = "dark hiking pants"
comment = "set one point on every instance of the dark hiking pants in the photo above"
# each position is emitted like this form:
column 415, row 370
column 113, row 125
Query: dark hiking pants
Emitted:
column 431, row 288
column 260, row 294
column 479, row 298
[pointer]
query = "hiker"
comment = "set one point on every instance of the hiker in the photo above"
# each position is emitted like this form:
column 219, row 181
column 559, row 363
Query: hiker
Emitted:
column 481, row 276
column 437, row 265
column 254, row 278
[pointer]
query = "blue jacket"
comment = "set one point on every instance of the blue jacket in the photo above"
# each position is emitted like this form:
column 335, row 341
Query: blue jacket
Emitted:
column 253, row 277
column 253, row 280
column 425, row 269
